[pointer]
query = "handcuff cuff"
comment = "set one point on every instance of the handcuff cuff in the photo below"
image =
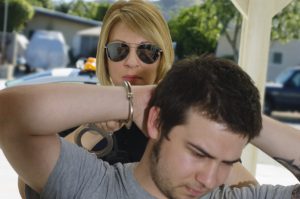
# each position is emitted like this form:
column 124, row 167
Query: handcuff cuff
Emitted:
column 93, row 128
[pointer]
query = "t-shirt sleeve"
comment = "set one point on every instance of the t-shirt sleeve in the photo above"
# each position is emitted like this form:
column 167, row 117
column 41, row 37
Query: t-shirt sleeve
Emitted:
column 75, row 170
column 78, row 174
column 30, row 193
column 254, row 192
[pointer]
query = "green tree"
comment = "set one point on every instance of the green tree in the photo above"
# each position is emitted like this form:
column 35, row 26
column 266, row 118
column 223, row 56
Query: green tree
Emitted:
column 286, row 25
column 41, row 3
column 197, row 29
column 170, row 7
column 63, row 7
column 19, row 12
column 79, row 8
column 89, row 10
column 101, row 11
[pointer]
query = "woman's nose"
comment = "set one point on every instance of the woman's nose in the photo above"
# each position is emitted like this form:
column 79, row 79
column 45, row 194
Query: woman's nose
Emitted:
column 132, row 60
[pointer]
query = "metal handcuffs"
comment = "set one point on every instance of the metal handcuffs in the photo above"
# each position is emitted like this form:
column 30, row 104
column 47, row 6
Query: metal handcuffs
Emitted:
column 92, row 128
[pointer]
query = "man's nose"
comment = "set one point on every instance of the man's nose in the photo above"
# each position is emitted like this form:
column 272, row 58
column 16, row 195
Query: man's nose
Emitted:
column 208, row 176
column 132, row 60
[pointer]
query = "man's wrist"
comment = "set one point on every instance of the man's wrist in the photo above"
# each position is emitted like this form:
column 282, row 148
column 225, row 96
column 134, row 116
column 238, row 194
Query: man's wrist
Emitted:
column 129, row 95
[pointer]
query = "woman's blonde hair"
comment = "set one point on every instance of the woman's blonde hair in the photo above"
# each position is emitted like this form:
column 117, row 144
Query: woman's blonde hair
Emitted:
column 143, row 18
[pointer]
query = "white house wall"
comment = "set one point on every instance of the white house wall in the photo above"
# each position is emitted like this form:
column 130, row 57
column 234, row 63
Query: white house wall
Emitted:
column 224, row 49
column 290, row 55
column 46, row 23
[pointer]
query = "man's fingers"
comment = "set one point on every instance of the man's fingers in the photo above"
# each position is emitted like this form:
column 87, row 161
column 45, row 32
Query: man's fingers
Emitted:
column 110, row 126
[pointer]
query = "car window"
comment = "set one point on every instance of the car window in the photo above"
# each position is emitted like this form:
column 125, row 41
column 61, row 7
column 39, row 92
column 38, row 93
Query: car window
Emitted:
column 21, row 80
column 66, row 75
column 282, row 77
column 296, row 80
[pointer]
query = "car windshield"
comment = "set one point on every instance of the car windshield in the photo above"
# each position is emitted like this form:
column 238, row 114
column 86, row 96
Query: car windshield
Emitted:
column 26, row 78
column 282, row 77
column 60, row 72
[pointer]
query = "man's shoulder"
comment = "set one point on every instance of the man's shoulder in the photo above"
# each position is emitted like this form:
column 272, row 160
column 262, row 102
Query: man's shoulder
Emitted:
column 253, row 191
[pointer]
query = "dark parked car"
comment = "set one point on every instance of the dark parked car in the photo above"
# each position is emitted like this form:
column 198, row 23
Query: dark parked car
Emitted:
column 284, row 93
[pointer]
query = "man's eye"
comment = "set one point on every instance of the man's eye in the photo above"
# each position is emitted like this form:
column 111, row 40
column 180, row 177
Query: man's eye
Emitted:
column 197, row 154
column 228, row 164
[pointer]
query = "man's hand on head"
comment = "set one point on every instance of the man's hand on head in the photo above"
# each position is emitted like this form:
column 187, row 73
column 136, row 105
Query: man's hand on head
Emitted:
column 141, row 97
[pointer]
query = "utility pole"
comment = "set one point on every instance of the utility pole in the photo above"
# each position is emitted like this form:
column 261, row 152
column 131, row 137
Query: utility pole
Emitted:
column 4, row 32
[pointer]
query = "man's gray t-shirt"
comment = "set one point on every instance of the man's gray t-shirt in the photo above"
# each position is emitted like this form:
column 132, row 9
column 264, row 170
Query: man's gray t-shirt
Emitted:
column 78, row 174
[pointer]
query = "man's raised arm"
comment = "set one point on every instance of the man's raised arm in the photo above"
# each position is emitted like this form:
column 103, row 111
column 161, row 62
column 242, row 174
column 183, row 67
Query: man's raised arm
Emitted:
column 282, row 143
column 31, row 117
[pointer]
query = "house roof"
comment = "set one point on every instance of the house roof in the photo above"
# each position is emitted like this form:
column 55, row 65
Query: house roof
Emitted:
column 61, row 15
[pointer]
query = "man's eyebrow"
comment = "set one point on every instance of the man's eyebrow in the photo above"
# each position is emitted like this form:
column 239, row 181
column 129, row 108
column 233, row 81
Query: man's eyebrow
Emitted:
column 200, row 149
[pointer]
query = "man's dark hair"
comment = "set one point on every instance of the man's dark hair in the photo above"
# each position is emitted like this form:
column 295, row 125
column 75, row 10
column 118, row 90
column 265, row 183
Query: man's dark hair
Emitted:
column 216, row 88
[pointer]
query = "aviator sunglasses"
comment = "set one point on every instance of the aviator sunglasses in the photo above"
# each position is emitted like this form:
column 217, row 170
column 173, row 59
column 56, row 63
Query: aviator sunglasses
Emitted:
column 147, row 53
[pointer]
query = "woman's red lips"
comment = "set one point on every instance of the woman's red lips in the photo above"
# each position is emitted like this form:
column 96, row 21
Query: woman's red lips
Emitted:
column 130, row 78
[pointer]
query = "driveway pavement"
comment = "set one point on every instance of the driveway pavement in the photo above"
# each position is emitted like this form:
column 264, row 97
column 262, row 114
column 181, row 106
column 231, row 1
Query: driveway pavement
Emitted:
column 8, row 180
column 2, row 82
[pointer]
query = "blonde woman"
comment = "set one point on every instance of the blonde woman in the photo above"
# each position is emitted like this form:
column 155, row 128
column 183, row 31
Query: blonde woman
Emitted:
column 135, row 46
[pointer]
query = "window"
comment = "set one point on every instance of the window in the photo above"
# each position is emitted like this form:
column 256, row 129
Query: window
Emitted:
column 277, row 58
column 296, row 80
column 88, row 46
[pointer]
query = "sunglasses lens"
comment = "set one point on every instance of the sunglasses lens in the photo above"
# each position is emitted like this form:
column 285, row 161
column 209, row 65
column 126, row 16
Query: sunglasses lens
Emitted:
column 117, row 51
column 148, row 53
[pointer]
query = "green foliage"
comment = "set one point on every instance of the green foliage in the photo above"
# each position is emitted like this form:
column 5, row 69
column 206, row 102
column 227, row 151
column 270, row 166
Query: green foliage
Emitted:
column 101, row 11
column 197, row 29
column 19, row 12
column 286, row 25
column 81, row 8
column 170, row 7
column 41, row 3
column 63, row 7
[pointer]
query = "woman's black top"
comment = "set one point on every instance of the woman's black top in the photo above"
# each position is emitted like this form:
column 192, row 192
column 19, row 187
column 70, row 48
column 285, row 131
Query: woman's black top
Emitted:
column 129, row 145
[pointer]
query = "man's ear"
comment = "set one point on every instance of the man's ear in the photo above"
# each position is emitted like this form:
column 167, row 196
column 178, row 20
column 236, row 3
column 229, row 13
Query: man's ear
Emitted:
column 152, row 123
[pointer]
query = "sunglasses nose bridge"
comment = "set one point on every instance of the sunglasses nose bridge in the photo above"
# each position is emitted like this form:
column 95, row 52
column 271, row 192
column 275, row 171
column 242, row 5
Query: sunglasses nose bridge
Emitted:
column 132, row 59
column 133, row 48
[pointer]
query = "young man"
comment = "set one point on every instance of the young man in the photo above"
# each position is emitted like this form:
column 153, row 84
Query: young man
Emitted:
column 198, row 120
